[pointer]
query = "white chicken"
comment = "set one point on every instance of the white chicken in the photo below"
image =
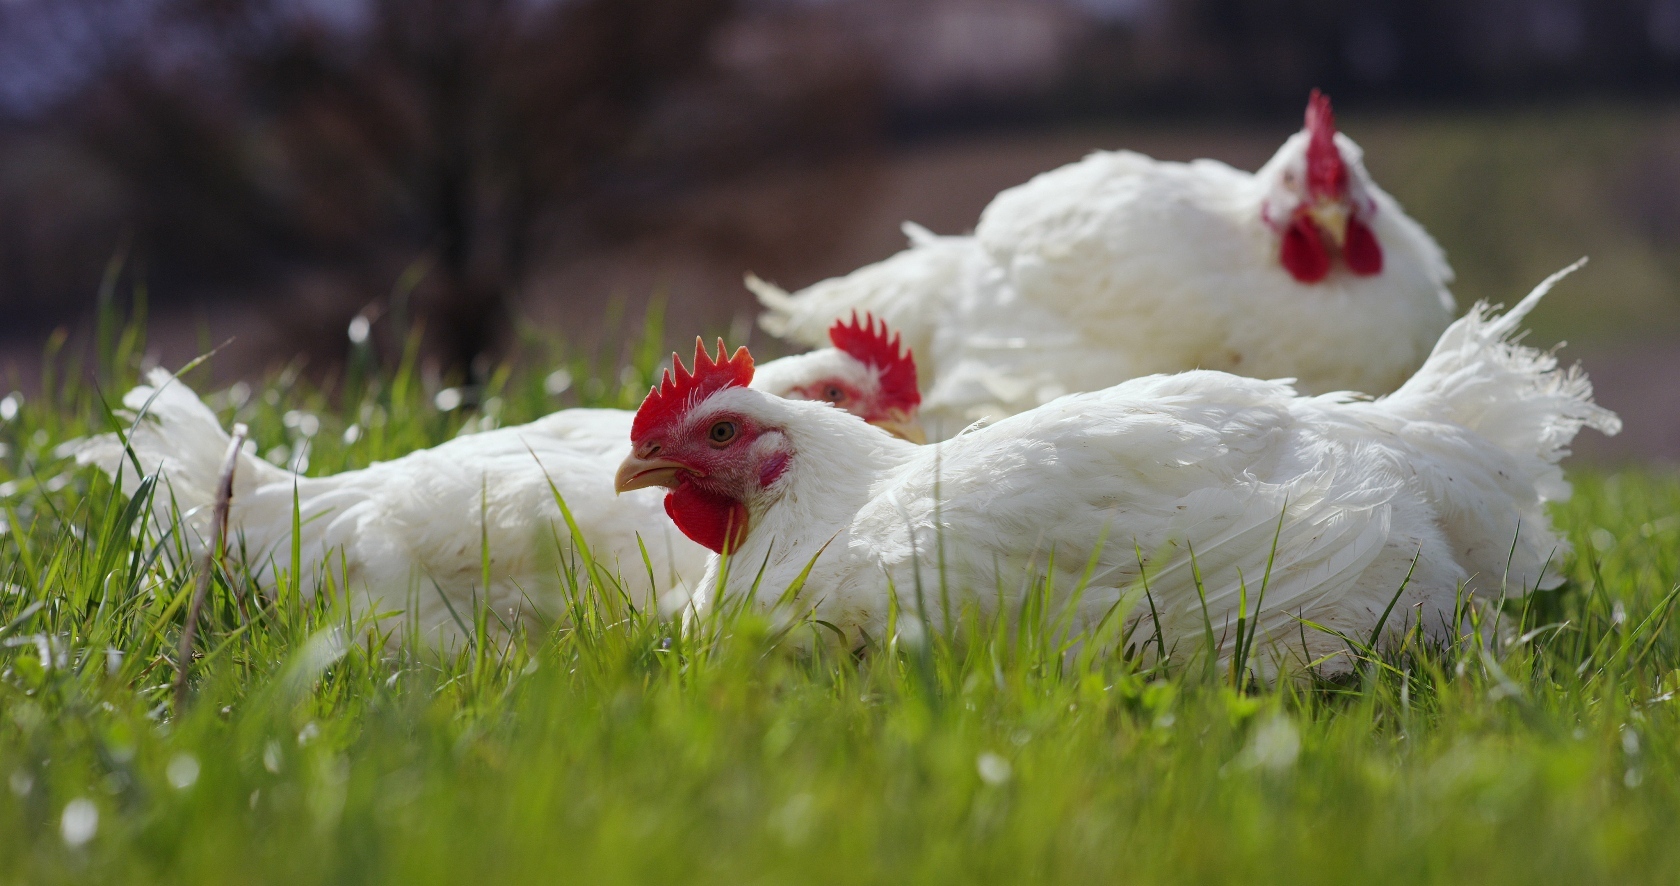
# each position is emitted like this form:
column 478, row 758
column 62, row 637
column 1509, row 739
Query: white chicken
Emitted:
column 1119, row 266
column 406, row 536
column 1439, row 486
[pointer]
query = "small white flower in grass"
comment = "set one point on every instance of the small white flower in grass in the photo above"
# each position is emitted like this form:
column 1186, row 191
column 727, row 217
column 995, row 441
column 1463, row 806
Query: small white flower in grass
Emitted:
column 359, row 329
column 911, row 631
column 447, row 400
column 306, row 424
column 308, row 733
column 793, row 821
column 994, row 770
column 26, row 714
column 9, row 406
column 43, row 649
column 271, row 756
column 21, row 783
column 238, row 394
column 182, row 771
column 327, row 791
column 352, row 434
column 79, row 822
column 1274, row 745
column 557, row 382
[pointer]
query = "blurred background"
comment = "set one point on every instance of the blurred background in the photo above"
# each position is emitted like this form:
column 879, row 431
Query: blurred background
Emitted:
column 290, row 172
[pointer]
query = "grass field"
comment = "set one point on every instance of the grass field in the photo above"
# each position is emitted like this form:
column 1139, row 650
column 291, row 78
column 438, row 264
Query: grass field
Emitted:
column 619, row 749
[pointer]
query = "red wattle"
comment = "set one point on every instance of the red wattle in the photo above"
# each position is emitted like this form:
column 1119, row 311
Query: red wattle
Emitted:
column 1304, row 254
column 716, row 521
column 1363, row 253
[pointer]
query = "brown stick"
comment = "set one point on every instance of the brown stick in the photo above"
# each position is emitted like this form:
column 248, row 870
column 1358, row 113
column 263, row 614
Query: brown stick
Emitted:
column 206, row 564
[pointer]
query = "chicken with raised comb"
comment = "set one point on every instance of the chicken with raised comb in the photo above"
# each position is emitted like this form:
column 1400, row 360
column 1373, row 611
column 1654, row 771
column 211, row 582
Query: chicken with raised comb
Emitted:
column 1439, row 487
column 1119, row 266
column 406, row 536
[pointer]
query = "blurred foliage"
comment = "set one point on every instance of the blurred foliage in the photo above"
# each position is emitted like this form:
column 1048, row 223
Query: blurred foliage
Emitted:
column 250, row 145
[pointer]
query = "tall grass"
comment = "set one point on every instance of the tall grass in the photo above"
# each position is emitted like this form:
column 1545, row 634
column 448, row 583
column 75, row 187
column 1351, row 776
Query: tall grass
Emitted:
column 616, row 747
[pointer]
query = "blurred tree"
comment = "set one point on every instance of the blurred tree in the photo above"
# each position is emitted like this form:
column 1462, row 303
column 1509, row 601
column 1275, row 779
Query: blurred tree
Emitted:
column 1246, row 54
column 253, row 132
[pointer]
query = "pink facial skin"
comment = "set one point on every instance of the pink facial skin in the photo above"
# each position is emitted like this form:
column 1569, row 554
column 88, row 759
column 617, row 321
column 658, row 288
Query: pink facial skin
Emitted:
column 709, row 467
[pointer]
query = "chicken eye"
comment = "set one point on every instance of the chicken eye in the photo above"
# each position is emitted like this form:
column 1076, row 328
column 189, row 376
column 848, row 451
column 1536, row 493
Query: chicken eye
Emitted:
column 721, row 433
column 834, row 394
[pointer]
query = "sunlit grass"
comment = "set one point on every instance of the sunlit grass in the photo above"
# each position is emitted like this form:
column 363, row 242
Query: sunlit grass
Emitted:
column 617, row 747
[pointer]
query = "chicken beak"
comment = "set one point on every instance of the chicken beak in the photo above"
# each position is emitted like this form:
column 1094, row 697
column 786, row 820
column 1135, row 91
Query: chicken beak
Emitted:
column 900, row 424
column 1332, row 218
column 639, row 473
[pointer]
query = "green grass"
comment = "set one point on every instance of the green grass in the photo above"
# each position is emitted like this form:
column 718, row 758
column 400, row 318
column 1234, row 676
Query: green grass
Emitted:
column 619, row 749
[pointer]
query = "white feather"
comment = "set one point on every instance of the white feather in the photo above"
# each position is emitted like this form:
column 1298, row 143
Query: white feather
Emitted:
column 406, row 536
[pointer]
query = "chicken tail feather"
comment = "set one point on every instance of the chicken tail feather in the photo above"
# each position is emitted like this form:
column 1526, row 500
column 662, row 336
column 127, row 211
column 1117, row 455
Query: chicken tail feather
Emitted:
column 1482, row 377
column 178, row 438
column 778, row 305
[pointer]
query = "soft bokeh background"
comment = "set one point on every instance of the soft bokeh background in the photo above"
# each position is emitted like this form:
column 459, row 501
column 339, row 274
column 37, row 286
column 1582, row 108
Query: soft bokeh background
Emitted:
column 269, row 170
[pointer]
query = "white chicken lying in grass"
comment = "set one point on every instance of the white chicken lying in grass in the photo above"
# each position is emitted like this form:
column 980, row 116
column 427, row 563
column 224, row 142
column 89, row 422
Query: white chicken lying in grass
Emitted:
column 1441, row 485
column 1119, row 266
column 406, row 536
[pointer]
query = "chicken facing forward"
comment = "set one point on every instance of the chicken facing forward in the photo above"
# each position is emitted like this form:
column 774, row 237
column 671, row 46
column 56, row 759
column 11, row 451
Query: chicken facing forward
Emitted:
column 1120, row 266
column 1452, row 471
column 407, row 535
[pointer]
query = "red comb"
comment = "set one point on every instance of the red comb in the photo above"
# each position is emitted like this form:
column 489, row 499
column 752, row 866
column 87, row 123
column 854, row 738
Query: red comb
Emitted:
column 1326, row 173
column 676, row 392
column 868, row 343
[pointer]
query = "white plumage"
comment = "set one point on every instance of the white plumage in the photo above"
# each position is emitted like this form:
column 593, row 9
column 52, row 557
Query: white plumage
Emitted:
column 1452, row 471
column 1119, row 266
column 406, row 537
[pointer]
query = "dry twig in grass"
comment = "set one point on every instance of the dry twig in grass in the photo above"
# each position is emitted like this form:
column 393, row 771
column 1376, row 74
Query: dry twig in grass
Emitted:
column 212, row 555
